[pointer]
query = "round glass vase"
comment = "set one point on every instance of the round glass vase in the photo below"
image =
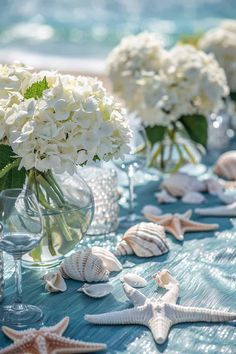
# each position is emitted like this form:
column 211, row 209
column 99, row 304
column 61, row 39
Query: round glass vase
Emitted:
column 170, row 156
column 67, row 210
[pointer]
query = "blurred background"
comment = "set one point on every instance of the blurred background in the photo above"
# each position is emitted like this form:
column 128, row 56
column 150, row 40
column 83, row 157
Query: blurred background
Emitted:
column 76, row 36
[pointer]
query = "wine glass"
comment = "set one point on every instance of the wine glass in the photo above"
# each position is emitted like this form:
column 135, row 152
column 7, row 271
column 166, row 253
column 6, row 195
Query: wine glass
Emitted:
column 21, row 222
column 132, row 162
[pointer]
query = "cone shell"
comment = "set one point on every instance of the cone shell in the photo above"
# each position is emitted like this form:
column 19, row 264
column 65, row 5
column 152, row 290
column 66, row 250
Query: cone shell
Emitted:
column 84, row 266
column 144, row 240
column 226, row 165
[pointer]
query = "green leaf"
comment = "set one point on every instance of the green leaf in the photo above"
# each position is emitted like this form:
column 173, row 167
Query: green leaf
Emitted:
column 36, row 89
column 196, row 127
column 233, row 96
column 10, row 176
column 155, row 134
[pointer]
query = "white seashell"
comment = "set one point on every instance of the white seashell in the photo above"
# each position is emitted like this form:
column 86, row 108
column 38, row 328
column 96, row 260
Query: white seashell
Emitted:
column 227, row 198
column 226, row 165
column 96, row 290
column 109, row 259
column 134, row 280
column 54, row 282
column 180, row 183
column 84, row 266
column 225, row 210
column 213, row 186
column 164, row 197
column 151, row 209
column 146, row 239
column 193, row 198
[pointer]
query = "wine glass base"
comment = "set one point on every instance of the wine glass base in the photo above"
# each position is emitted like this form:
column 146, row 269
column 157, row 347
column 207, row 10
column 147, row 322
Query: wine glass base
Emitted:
column 20, row 315
column 130, row 220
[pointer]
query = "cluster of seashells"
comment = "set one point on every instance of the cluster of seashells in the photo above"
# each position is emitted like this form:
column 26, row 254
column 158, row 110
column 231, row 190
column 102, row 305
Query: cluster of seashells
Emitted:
column 95, row 264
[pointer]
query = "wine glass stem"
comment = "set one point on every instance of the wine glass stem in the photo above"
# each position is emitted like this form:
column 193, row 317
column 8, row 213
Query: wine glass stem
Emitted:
column 130, row 175
column 18, row 280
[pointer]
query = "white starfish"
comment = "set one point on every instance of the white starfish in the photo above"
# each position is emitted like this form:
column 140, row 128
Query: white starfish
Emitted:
column 46, row 340
column 159, row 314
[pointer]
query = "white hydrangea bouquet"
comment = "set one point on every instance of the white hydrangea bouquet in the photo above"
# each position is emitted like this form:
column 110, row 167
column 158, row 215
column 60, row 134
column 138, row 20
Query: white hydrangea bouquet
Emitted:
column 51, row 123
column 221, row 41
column 172, row 92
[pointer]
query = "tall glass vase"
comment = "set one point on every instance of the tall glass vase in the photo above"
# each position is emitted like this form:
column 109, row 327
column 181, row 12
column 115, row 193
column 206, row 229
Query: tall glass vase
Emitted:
column 172, row 155
column 67, row 210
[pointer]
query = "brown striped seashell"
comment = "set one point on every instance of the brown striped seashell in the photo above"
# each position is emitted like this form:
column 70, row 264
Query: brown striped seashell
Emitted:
column 144, row 240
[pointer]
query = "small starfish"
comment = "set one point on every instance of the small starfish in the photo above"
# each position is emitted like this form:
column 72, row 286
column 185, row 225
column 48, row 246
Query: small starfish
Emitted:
column 46, row 340
column 161, row 313
column 178, row 224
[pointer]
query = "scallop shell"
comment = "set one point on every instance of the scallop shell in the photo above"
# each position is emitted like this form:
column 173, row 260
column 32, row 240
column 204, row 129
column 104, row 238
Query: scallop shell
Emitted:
column 165, row 197
column 134, row 280
column 180, row 183
column 146, row 239
column 109, row 259
column 84, row 266
column 193, row 198
column 226, row 165
column 96, row 290
column 54, row 282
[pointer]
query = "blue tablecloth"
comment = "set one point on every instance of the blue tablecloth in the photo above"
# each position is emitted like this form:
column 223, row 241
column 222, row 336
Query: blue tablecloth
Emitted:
column 205, row 266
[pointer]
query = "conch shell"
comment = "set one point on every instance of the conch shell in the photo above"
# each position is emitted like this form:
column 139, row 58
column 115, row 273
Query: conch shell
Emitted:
column 180, row 183
column 226, row 165
column 84, row 266
column 54, row 282
column 144, row 240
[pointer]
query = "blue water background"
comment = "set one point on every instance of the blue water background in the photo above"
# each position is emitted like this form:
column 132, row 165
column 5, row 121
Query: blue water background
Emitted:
column 91, row 28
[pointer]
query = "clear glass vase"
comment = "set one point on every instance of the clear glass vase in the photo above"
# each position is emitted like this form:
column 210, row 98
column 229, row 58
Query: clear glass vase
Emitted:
column 170, row 156
column 67, row 209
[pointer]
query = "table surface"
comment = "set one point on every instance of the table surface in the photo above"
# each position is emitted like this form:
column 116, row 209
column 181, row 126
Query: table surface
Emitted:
column 204, row 264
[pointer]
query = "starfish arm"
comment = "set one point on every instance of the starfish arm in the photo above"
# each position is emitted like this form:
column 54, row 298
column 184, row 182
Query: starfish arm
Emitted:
column 137, row 298
column 180, row 314
column 20, row 347
column 189, row 225
column 57, row 344
column 162, row 220
column 165, row 280
column 160, row 327
column 14, row 334
column 60, row 327
column 135, row 315
column 175, row 229
column 187, row 214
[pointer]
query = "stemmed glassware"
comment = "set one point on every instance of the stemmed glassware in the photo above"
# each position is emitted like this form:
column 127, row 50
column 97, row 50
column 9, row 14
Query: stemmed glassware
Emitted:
column 134, row 161
column 21, row 223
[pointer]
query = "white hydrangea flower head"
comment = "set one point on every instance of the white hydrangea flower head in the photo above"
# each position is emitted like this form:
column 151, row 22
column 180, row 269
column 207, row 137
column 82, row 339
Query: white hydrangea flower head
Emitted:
column 196, row 83
column 73, row 122
column 221, row 42
column 134, row 55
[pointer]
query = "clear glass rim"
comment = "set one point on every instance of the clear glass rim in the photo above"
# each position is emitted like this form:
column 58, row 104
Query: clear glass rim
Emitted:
column 26, row 193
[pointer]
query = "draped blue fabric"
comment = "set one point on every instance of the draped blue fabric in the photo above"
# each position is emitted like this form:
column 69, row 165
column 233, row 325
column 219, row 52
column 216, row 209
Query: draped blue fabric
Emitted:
column 204, row 264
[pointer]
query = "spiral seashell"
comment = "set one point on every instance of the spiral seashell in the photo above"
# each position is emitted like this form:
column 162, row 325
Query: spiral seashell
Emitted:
column 109, row 259
column 84, row 266
column 226, row 165
column 180, row 183
column 144, row 240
